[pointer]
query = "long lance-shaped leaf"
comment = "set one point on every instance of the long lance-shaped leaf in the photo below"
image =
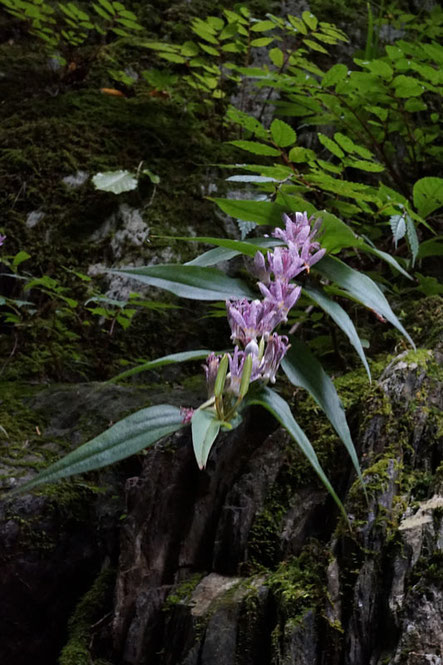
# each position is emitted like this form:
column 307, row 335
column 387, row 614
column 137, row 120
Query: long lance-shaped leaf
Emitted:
column 125, row 438
column 361, row 287
column 205, row 428
column 305, row 371
column 385, row 257
column 160, row 362
column 280, row 409
column 260, row 212
column 218, row 254
column 239, row 246
column 341, row 318
column 187, row 281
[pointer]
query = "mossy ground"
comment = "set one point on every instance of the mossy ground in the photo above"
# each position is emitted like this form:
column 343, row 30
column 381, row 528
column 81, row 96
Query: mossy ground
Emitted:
column 91, row 608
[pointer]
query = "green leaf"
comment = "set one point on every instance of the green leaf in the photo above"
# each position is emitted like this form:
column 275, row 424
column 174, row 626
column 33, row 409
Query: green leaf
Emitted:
column 384, row 256
column 310, row 20
column 262, row 26
column 428, row 195
column 153, row 177
column 280, row 409
column 363, row 165
column 115, row 181
column 341, row 318
column 19, row 258
column 132, row 25
column 189, row 281
column 412, row 237
column 398, row 227
column 247, row 121
column 208, row 49
column 214, row 256
column 258, row 179
column 361, row 287
column 379, row 111
column 330, row 145
column 282, row 134
column 240, row 247
column 277, row 57
column 348, row 144
column 335, row 234
column 298, row 24
column 407, row 86
column 189, row 49
column 334, row 75
column 171, row 359
column 432, row 247
column 304, row 370
column 125, row 438
column 299, row 155
column 430, row 286
column 108, row 6
column 172, row 57
column 215, row 22
column 256, row 148
column 314, row 46
column 414, row 104
column 381, row 68
column 261, row 41
column 101, row 12
column 204, row 31
column 205, row 428
column 260, row 212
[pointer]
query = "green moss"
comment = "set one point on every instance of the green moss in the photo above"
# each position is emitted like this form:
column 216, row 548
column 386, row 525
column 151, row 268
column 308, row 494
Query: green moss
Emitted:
column 183, row 592
column 89, row 610
column 425, row 320
column 299, row 583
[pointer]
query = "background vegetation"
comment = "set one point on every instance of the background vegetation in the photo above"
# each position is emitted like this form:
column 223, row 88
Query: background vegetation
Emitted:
column 166, row 94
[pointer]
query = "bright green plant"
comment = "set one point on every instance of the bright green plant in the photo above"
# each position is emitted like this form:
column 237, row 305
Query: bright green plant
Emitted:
column 224, row 48
column 63, row 27
column 122, row 312
column 379, row 119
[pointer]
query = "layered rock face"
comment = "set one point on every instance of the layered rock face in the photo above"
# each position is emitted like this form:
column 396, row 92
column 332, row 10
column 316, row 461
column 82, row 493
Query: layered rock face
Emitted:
column 214, row 569
column 248, row 562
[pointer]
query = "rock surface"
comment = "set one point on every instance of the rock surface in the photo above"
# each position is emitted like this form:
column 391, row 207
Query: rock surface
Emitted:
column 247, row 562
column 365, row 596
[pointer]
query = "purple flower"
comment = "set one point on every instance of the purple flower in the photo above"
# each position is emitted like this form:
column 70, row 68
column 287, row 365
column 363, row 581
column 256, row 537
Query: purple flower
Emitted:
column 297, row 228
column 249, row 320
column 281, row 296
column 299, row 237
column 276, row 348
column 252, row 323
column 260, row 269
column 285, row 263
column 2, row 239
column 236, row 364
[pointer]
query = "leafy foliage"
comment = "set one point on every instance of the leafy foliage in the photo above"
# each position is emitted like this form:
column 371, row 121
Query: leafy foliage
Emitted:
column 64, row 26
column 331, row 148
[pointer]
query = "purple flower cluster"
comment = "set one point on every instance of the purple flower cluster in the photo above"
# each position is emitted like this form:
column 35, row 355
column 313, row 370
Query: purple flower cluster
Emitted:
column 252, row 323
column 2, row 239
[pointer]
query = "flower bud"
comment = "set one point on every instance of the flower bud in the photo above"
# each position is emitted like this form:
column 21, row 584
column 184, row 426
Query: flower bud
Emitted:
column 246, row 376
column 221, row 376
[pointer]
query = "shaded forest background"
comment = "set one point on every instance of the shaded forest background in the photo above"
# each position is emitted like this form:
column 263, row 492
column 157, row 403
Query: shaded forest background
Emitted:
column 252, row 549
